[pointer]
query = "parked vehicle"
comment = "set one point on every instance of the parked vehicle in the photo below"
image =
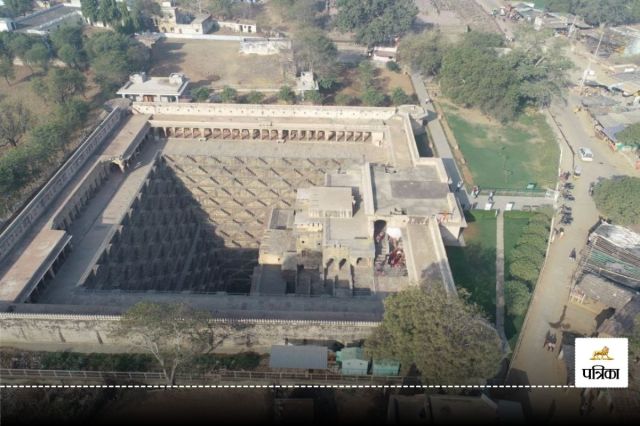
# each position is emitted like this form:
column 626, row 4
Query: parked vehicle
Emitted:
column 585, row 154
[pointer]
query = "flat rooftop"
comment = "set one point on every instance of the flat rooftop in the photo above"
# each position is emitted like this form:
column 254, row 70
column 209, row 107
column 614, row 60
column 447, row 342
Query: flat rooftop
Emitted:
column 417, row 191
column 123, row 143
column 33, row 263
column 44, row 16
column 161, row 86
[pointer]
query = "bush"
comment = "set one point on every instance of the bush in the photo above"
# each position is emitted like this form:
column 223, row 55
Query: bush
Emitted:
column 517, row 296
column 201, row 94
column 313, row 96
column 372, row 97
column 228, row 94
column 525, row 269
column 254, row 97
column 399, row 97
column 393, row 66
column 286, row 94
column 344, row 99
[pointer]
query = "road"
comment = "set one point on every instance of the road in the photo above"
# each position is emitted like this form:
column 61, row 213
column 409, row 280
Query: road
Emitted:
column 531, row 363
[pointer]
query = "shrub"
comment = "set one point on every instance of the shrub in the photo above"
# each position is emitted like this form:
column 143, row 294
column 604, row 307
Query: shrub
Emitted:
column 393, row 66
column 517, row 296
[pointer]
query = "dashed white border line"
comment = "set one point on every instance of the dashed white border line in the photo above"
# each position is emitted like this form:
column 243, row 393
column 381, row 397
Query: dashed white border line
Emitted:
column 299, row 386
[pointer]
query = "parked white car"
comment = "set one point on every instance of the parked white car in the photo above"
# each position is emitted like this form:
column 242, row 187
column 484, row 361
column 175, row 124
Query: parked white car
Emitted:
column 585, row 154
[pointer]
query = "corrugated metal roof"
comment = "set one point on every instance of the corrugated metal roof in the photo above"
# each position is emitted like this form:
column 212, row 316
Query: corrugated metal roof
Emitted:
column 306, row 357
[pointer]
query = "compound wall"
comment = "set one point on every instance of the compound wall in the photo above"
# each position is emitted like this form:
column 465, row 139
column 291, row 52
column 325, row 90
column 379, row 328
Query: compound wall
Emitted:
column 95, row 333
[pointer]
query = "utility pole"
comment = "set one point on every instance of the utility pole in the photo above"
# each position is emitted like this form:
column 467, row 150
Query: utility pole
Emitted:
column 588, row 70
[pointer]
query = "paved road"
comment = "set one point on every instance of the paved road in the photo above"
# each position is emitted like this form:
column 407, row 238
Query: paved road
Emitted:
column 530, row 362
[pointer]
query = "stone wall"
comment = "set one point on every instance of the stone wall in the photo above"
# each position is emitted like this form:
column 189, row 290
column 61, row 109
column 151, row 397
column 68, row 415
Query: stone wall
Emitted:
column 94, row 333
column 285, row 111
column 41, row 201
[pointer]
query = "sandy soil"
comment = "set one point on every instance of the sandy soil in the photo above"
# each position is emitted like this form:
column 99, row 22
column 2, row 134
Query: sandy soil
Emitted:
column 217, row 64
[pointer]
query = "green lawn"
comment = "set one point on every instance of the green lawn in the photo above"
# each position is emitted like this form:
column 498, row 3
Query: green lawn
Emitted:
column 506, row 156
column 474, row 266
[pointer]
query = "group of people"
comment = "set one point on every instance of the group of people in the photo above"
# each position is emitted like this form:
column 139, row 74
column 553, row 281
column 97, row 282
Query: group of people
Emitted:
column 550, row 341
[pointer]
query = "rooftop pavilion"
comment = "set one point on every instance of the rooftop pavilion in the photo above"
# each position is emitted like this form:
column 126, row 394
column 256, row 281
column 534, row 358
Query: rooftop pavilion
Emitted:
column 141, row 87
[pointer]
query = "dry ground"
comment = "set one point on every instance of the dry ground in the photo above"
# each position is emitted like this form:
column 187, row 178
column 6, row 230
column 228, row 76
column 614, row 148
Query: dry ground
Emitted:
column 20, row 89
column 219, row 63
column 386, row 81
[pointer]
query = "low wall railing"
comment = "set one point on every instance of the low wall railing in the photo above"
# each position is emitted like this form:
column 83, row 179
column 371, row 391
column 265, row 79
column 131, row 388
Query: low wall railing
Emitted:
column 222, row 375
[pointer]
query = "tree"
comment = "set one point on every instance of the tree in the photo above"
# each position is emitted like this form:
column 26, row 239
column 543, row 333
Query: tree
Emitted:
column 72, row 114
column 473, row 75
column 517, row 296
column 255, row 97
column 201, row 94
column 109, row 13
column 6, row 68
column 446, row 338
column 630, row 135
column 18, row 7
column 174, row 334
column 618, row 199
column 595, row 12
column 300, row 12
column 399, row 97
column 60, row 85
column 422, row 52
column 366, row 74
column 38, row 56
column 228, row 94
column 15, row 120
column 50, row 137
column 90, row 10
column 114, row 57
column 285, row 94
column 316, row 52
column 69, row 45
column 375, row 21
column 372, row 97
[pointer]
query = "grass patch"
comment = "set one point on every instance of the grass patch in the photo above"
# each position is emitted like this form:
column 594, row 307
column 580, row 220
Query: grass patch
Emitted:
column 514, row 224
column 474, row 266
column 506, row 156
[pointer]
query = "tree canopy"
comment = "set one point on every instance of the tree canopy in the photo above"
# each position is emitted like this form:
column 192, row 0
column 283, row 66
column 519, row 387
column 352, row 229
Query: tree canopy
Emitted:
column 446, row 338
column 18, row 7
column 618, row 199
column 15, row 120
column 630, row 135
column 479, row 72
column 315, row 51
column 114, row 57
column 595, row 12
column 60, row 85
column 174, row 334
column 375, row 21
column 422, row 52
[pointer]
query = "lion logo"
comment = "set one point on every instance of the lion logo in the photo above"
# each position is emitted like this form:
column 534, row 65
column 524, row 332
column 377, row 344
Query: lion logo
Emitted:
column 602, row 354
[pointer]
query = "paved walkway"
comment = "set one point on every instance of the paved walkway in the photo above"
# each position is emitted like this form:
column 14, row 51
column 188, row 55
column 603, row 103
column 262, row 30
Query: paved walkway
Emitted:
column 530, row 362
column 500, row 280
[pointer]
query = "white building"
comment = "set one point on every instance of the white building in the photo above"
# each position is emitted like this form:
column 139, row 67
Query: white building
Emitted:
column 141, row 88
